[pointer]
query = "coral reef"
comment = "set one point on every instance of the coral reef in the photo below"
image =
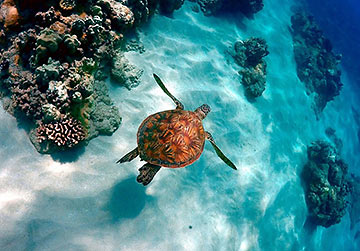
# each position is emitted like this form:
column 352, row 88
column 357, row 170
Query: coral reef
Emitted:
column 9, row 14
column 51, row 58
column 316, row 63
column 104, row 117
column 120, row 15
column 134, row 45
column 210, row 7
column 254, row 80
column 247, row 7
column 142, row 10
column 249, row 55
column 124, row 72
column 169, row 6
column 63, row 133
column 326, row 184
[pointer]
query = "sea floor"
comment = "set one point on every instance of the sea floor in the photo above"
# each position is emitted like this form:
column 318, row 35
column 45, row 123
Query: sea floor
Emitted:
column 83, row 200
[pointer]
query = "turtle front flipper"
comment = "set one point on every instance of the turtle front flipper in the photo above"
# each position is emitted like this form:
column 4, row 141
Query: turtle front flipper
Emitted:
column 162, row 86
column 129, row 156
column 147, row 173
column 219, row 152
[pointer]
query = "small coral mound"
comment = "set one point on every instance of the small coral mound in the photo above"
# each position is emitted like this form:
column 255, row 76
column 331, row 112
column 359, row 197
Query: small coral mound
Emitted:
column 67, row 4
column 9, row 14
column 254, row 80
column 64, row 133
column 121, row 15
column 247, row 7
column 249, row 55
column 316, row 63
column 124, row 73
column 326, row 184
column 250, row 52
column 168, row 6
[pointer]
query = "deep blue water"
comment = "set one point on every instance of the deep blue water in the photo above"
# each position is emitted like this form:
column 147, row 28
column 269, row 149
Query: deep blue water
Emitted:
column 340, row 22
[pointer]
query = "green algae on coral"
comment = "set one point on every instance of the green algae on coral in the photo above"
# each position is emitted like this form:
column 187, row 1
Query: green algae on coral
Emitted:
column 48, row 68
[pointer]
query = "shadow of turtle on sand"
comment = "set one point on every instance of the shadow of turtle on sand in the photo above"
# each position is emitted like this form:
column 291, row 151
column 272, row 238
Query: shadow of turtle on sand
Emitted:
column 127, row 200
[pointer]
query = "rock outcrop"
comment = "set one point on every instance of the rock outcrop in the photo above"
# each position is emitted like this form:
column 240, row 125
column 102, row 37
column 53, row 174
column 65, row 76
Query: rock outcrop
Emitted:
column 326, row 184
column 316, row 64
column 214, row 7
column 249, row 55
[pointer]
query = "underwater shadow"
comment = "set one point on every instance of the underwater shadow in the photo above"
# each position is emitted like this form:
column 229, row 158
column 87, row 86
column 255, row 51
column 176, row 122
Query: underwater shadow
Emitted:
column 23, row 122
column 39, row 231
column 69, row 155
column 251, row 99
column 127, row 199
column 309, row 226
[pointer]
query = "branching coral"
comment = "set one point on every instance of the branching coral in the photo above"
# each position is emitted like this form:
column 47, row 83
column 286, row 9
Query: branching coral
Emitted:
column 64, row 133
column 26, row 96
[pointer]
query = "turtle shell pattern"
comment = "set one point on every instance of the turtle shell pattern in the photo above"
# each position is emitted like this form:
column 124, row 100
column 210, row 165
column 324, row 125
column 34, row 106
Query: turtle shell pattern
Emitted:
column 173, row 138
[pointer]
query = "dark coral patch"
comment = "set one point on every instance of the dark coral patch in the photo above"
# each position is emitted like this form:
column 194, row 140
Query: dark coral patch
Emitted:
column 326, row 184
column 316, row 64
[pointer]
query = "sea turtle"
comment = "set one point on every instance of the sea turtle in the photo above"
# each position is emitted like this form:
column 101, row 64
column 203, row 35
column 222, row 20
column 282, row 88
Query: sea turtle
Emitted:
column 173, row 138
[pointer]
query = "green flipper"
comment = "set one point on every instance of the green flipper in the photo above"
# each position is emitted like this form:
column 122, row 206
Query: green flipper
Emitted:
column 162, row 86
column 219, row 152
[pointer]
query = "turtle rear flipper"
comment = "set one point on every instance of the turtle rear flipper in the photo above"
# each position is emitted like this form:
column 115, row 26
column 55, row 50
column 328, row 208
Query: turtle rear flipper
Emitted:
column 129, row 156
column 162, row 86
column 219, row 152
column 147, row 173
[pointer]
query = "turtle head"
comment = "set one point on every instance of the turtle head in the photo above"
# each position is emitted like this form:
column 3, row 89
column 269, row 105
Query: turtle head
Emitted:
column 202, row 111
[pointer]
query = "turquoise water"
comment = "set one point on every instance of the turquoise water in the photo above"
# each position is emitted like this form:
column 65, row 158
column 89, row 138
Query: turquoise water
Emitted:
column 84, row 201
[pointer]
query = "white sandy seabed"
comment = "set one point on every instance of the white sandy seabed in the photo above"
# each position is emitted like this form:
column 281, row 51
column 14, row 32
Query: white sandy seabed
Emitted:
column 90, row 203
